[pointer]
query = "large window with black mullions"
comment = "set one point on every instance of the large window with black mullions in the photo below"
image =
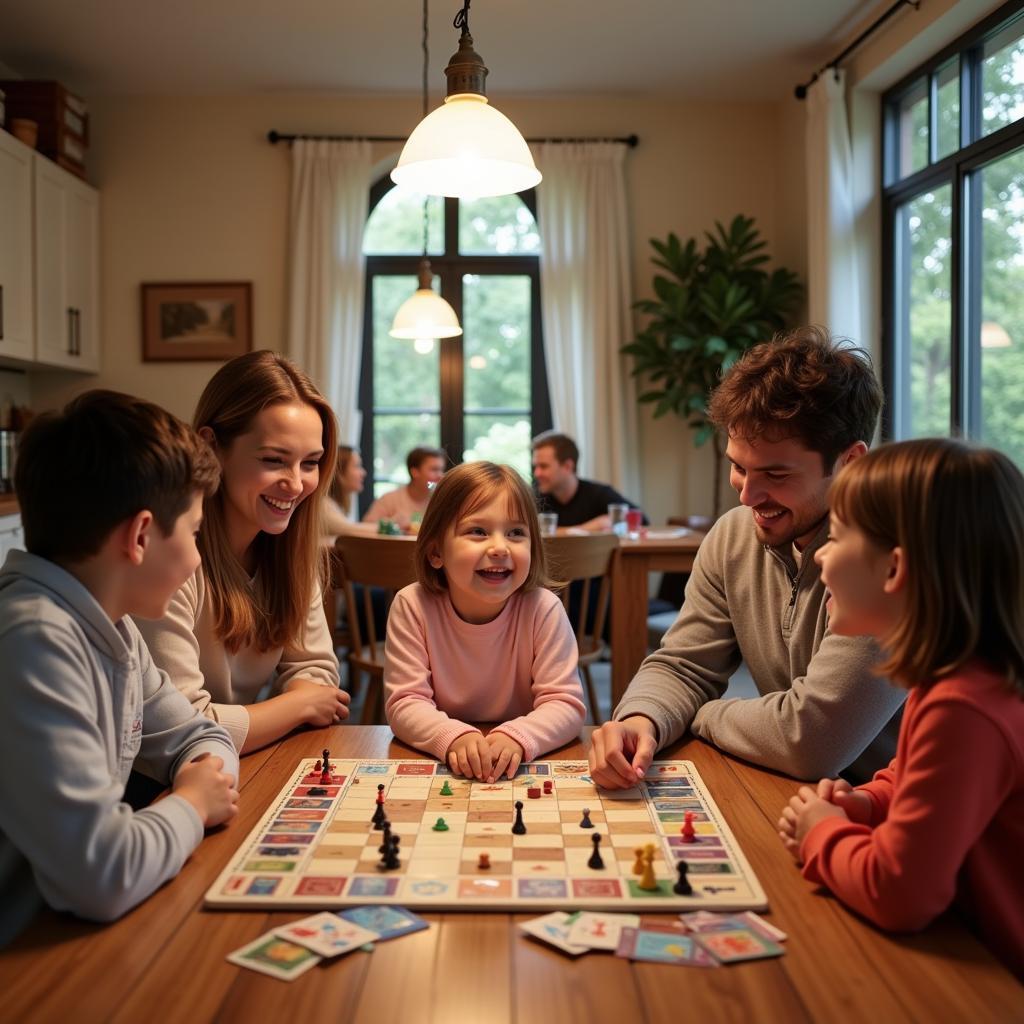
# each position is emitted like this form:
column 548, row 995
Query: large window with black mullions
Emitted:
column 954, row 240
column 479, row 396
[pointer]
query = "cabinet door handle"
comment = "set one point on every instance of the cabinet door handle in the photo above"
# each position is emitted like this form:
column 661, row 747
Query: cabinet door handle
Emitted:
column 1, row 312
column 71, row 331
column 78, row 332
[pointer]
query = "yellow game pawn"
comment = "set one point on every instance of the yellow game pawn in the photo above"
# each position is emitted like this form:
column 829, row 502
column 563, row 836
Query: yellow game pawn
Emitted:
column 638, row 860
column 647, row 880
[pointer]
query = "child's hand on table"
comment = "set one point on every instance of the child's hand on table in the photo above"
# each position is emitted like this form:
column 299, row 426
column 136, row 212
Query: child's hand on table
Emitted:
column 208, row 789
column 801, row 814
column 506, row 754
column 470, row 755
column 839, row 792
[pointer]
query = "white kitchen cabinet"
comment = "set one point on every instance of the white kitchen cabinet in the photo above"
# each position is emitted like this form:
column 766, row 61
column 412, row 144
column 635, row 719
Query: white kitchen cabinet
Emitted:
column 16, row 312
column 66, row 231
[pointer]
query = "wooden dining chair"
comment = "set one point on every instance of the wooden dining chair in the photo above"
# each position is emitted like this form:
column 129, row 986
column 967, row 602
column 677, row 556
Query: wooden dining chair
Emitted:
column 587, row 560
column 368, row 562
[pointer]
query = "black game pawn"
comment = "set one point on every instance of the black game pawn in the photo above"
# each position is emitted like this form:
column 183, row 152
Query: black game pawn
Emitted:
column 379, row 817
column 595, row 861
column 327, row 760
column 586, row 822
column 386, row 826
column 317, row 791
column 391, row 861
column 519, row 829
column 682, row 887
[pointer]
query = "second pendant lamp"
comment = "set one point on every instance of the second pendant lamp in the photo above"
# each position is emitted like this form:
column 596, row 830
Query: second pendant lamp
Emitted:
column 425, row 316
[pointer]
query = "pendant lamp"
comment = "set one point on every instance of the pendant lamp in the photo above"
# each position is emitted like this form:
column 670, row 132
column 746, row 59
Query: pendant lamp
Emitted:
column 425, row 316
column 466, row 149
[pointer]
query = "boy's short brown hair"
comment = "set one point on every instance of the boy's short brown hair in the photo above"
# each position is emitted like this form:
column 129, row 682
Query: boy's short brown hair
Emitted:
column 106, row 457
column 417, row 456
column 460, row 493
column 801, row 385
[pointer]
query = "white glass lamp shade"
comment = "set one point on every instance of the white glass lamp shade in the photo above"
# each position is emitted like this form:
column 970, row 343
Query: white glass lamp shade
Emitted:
column 466, row 150
column 425, row 315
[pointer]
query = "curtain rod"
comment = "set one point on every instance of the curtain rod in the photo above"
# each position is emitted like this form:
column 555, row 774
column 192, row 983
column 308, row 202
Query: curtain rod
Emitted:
column 801, row 90
column 274, row 137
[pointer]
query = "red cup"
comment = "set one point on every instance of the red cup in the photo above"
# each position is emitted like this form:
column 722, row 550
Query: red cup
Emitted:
column 634, row 520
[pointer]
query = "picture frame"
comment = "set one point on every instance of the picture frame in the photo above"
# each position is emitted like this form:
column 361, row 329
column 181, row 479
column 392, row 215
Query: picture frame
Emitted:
column 196, row 321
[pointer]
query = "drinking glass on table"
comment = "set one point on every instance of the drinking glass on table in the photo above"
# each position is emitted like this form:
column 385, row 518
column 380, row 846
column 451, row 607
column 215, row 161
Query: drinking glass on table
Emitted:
column 617, row 516
column 548, row 523
column 634, row 520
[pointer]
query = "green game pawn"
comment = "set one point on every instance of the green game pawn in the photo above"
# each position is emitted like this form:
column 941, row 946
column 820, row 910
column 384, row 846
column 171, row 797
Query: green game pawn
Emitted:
column 446, row 790
column 440, row 825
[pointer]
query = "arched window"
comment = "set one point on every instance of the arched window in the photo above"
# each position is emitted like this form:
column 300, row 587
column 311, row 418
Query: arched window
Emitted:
column 479, row 396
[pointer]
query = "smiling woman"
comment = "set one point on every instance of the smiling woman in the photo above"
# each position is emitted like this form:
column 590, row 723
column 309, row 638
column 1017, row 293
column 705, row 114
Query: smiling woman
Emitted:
column 253, row 615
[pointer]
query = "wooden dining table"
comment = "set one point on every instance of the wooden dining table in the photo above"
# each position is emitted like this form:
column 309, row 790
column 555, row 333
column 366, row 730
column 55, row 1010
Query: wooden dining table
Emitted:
column 632, row 563
column 165, row 961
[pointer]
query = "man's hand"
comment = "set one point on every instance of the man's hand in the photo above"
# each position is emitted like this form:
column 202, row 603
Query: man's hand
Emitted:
column 621, row 752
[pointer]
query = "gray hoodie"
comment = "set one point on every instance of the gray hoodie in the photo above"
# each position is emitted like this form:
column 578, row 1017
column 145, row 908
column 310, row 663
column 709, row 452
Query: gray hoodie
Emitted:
column 80, row 704
column 820, row 703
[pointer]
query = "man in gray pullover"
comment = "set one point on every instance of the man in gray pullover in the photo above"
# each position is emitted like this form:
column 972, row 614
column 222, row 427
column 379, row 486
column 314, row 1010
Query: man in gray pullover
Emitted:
column 795, row 410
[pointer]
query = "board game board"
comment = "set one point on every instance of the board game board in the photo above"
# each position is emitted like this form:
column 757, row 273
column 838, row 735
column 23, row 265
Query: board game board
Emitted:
column 316, row 846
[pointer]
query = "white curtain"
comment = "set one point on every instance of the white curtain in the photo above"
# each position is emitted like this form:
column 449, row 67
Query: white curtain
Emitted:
column 326, row 271
column 833, row 291
column 587, row 305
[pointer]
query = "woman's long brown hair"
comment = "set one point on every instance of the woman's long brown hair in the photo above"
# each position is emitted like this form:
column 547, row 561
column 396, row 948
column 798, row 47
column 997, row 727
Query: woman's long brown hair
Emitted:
column 291, row 567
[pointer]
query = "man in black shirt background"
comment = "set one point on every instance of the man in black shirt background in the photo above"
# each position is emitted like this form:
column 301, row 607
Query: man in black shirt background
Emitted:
column 582, row 503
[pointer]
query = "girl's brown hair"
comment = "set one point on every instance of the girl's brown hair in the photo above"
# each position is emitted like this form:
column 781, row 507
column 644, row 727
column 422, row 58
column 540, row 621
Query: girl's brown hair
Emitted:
column 338, row 491
column 957, row 512
column 271, row 611
column 459, row 494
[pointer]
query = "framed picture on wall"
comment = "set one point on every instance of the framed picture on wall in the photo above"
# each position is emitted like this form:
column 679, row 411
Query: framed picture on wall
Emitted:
column 196, row 320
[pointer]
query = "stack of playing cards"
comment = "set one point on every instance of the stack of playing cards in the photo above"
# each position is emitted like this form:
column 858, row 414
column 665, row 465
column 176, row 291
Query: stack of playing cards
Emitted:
column 292, row 949
column 700, row 939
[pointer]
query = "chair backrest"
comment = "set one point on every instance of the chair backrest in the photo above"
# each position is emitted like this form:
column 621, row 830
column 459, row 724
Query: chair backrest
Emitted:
column 370, row 561
column 571, row 558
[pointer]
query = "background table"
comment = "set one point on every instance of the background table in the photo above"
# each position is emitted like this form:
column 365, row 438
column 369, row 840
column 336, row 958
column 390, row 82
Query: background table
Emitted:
column 631, row 565
column 164, row 962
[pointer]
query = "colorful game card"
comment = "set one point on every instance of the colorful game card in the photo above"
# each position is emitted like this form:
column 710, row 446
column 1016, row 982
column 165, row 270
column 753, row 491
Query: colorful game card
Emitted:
column 600, row 931
column 663, row 946
column 554, row 930
column 708, row 921
column 737, row 944
column 326, row 934
column 270, row 954
column 385, row 922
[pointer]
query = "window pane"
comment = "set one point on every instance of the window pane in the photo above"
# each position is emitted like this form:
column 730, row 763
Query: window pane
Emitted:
column 496, row 342
column 393, row 438
column 947, row 114
column 504, row 439
column 913, row 129
column 403, row 379
column 1002, row 313
column 498, row 225
column 395, row 227
column 923, row 314
column 1002, row 78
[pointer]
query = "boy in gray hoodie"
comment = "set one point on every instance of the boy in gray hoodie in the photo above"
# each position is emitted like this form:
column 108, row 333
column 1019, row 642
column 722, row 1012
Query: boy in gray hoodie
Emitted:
column 111, row 498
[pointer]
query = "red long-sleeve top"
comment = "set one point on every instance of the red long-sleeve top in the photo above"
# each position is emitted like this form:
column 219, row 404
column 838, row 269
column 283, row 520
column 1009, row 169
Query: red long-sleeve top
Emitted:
column 948, row 818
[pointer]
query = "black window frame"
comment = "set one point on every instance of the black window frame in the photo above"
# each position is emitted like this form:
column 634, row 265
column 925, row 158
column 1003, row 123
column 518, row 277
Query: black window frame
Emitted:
column 956, row 170
column 450, row 266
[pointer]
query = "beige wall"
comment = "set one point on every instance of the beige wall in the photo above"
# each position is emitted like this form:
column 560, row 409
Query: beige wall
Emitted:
column 190, row 190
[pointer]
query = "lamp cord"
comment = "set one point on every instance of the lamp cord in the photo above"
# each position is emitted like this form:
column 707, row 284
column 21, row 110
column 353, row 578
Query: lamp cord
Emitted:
column 426, row 64
column 462, row 19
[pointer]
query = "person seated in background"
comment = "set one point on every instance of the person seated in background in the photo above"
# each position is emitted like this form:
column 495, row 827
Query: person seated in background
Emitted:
column 349, row 476
column 81, row 700
column 796, row 410
column 578, row 502
column 405, row 505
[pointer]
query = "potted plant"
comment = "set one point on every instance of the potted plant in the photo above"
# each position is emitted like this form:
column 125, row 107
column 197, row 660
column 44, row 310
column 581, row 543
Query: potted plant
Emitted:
column 710, row 306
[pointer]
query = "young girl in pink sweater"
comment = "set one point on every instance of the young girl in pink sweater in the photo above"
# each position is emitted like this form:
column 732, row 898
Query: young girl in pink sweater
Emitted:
column 926, row 553
column 478, row 638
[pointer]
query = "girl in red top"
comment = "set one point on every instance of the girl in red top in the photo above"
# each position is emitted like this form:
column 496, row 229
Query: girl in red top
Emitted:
column 926, row 553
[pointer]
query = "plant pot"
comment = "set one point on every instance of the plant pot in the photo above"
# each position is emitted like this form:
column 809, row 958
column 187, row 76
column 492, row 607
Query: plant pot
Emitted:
column 25, row 130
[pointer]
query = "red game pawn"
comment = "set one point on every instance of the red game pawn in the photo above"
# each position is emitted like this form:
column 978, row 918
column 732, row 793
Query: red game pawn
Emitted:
column 533, row 792
column 688, row 831
column 547, row 787
column 484, row 863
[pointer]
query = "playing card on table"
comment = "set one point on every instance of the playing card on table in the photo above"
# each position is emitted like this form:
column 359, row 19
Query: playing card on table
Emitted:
column 600, row 931
column 664, row 946
column 737, row 944
column 385, row 922
column 270, row 954
column 708, row 921
column 554, row 929
column 326, row 934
